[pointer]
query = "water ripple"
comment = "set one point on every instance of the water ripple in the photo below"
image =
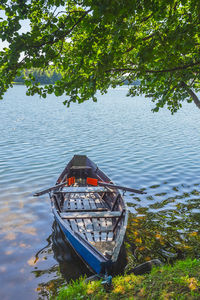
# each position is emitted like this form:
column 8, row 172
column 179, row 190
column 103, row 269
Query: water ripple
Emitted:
column 157, row 152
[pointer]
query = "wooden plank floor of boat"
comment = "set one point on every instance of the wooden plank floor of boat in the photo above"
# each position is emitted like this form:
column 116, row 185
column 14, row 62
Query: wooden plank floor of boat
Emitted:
column 98, row 231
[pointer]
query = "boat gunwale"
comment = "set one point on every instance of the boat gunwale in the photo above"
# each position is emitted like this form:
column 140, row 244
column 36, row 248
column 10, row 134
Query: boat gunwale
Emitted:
column 84, row 242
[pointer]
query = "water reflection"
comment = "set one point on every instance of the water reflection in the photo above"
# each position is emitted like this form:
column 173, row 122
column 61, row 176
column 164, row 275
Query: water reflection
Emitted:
column 68, row 267
column 71, row 266
column 167, row 229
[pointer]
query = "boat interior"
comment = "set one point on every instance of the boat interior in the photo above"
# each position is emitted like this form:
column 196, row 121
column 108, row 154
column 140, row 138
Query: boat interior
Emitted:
column 93, row 212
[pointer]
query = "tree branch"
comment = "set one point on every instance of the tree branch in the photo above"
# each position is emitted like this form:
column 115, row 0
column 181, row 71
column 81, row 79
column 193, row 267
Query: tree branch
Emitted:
column 156, row 71
column 64, row 34
column 144, row 39
column 148, row 17
column 191, row 93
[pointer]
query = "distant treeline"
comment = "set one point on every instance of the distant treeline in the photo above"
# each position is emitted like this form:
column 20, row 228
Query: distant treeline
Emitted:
column 49, row 76
column 136, row 82
column 41, row 76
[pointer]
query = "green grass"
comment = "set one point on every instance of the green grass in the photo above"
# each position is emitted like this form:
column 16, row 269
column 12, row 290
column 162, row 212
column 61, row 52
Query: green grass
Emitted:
column 181, row 281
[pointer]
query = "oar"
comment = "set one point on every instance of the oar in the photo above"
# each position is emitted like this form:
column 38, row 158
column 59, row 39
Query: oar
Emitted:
column 49, row 189
column 120, row 187
column 99, row 182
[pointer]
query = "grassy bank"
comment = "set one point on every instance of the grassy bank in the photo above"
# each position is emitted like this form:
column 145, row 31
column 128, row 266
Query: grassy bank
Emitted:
column 181, row 281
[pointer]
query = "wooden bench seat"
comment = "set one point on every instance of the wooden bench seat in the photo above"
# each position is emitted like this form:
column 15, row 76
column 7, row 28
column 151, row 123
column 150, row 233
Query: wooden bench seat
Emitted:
column 83, row 189
column 88, row 215
column 80, row 168
column 86, row 210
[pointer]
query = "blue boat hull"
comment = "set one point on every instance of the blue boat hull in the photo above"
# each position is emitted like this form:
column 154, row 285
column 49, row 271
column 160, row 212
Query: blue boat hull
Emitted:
column 97, row 263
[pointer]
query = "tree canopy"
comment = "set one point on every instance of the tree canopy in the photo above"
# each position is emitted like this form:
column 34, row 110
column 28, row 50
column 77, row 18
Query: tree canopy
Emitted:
column 96, row 44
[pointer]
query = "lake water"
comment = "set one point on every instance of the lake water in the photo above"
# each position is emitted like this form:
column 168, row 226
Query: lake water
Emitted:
column 135, row 147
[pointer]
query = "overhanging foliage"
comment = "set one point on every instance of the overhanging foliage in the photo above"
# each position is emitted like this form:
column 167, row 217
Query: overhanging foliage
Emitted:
column 96, row 43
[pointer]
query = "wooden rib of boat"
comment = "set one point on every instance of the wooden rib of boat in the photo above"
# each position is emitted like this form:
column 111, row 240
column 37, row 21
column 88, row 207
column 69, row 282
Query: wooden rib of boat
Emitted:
column 91, row 212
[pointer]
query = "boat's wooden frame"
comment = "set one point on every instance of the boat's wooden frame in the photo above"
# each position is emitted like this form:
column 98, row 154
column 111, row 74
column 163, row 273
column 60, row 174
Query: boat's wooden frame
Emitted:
column 91, row 212
column 92, row 218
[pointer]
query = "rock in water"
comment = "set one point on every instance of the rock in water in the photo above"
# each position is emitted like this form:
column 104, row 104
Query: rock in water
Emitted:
column 146, row 267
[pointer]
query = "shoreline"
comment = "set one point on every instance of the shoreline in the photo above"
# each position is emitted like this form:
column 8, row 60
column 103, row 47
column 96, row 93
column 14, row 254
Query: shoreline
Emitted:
column 180, row 281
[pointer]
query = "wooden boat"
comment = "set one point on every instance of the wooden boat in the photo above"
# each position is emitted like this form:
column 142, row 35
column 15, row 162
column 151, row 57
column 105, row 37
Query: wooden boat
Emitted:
column 91, row 212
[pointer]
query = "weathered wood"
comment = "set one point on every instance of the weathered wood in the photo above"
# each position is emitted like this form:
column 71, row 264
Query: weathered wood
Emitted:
column 83, row 215
column 97, row 201
column 81, row 228
column 89, row 244
column 80, row 168
column 86, row 210
column 82, row 202
column 104, row 246
column 73, row 225
column 96, row 224
column 110, row 236
column 105, row 201
column 72, row 203
column 87, row 223
column 49, row 189
column 117, row 222
column 109, row 225
column 83, row 189
column 99, row 229
column 103, row 225
column 115, row 202
column 94, row 213
column 86, row 204
column 79, row 203
column 57, row 202
column 105, row 184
